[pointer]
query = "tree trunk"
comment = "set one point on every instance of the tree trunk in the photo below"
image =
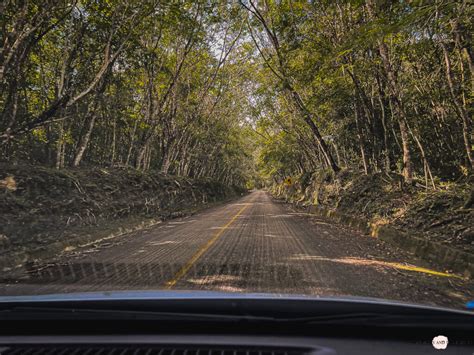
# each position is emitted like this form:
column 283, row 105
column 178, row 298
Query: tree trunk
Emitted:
column 84, row 141
column 307, row 116
column 407, row 164
column 426, row 165
column 140, row 163
column 166, row 160
column 114, row 139
column 132, row 142
column 388, row 154
column 60, row 146
column 399, row 111
column 285, row 78
column 360, row 137
column 466, row 121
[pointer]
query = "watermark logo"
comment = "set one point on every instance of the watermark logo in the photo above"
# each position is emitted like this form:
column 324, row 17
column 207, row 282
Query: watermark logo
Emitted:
column 440, row 342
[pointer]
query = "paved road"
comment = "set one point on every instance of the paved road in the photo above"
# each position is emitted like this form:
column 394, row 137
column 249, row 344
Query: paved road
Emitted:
column 254, row 244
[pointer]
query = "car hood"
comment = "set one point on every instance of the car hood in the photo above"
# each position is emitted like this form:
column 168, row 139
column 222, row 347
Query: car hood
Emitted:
column 166, row 295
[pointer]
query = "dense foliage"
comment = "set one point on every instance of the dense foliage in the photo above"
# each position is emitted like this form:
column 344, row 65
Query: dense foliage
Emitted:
column 122, row 83
column 370, row 85
column 214, row 88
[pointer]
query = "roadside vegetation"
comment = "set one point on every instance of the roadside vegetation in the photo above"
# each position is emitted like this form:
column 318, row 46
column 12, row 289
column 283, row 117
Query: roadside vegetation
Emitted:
column 45, row 211
column 372, row 94
column 444, row 215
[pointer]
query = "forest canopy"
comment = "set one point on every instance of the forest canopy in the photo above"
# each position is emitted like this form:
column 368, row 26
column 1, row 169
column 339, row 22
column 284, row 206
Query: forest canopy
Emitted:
column 241, row 92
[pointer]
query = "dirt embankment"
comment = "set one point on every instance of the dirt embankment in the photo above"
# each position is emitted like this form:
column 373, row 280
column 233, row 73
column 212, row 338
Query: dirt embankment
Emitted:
column 444, row 215
column 40, row 207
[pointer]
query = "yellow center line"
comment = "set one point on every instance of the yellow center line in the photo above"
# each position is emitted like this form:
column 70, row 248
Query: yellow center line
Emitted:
column 423, row 270
column 368, row 262
column 201, row 251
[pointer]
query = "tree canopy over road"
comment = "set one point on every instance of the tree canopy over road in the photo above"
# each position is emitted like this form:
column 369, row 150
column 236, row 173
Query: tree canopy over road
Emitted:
column 239, row 91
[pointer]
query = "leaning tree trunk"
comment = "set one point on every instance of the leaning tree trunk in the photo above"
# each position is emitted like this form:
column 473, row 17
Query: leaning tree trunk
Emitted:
column 84, row 141
column 309, row 121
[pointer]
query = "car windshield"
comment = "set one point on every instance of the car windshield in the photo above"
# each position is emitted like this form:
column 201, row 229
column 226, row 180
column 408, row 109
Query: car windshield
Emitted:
column 310, row 148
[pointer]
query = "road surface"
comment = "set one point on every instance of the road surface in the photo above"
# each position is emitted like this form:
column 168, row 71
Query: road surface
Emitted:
column 253, row 244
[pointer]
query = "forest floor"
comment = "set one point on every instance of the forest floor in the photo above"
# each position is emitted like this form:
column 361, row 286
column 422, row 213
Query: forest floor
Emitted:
column 40, row 206
column 444, row 215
